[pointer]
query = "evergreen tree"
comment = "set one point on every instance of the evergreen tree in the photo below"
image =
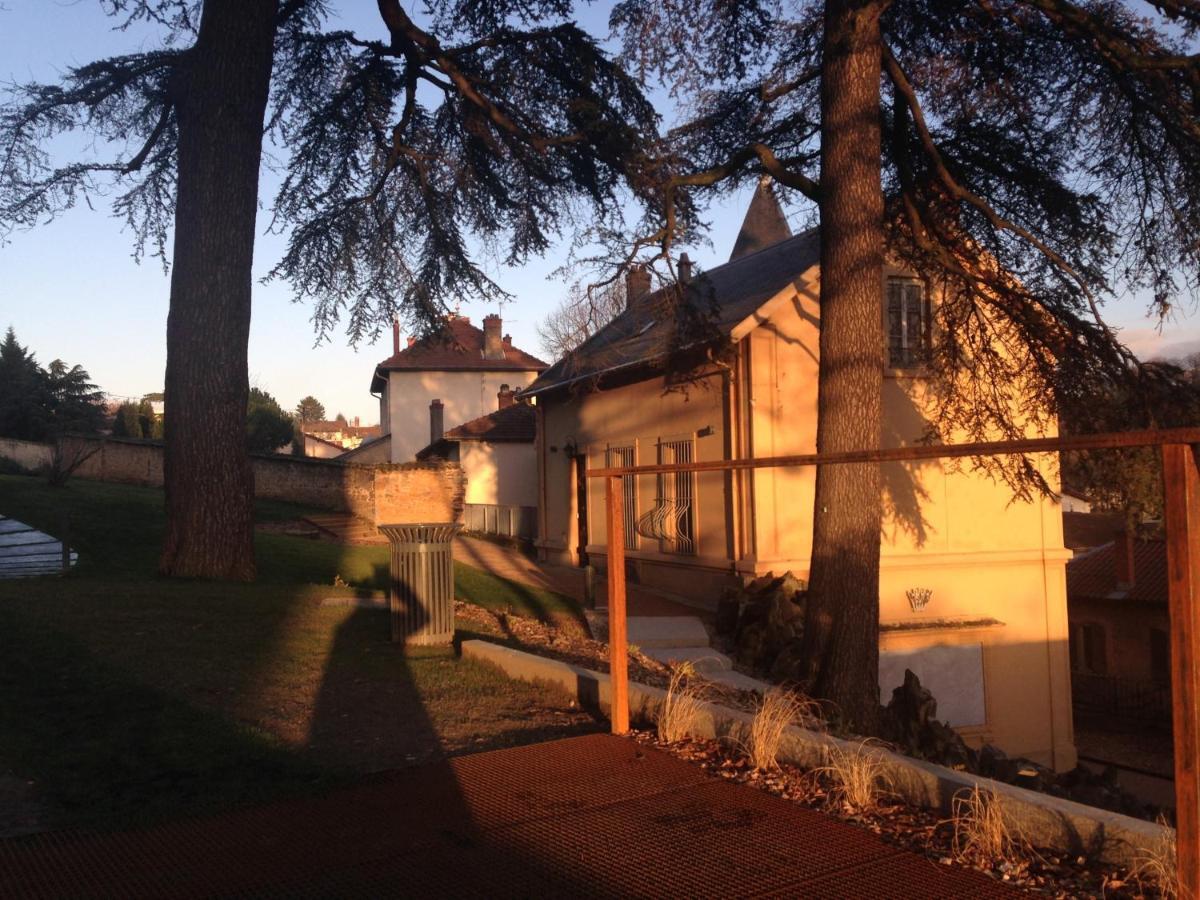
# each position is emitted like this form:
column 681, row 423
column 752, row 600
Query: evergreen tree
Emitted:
column 1030, row 158
column 310, row 409
column 22, row 392
column 268, row 427
column 125, row 422
column 500, row 120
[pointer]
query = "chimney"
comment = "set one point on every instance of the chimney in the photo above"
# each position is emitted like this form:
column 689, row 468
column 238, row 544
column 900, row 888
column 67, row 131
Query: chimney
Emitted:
column 435, row 421
column 396, row 336
column 1123, row 558
column 505, row 398
column 493, row 345
column 356, row 422
column 412, row 340
column 685, row 269
column 508, row 342
column 637, row 285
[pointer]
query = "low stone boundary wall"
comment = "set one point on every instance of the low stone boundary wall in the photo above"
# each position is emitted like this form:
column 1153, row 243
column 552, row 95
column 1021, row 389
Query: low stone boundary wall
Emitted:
column 1043, row 820
column 401, row 492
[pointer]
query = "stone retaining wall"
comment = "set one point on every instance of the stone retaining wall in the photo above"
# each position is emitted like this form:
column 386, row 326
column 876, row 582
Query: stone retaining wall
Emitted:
column 406, row 492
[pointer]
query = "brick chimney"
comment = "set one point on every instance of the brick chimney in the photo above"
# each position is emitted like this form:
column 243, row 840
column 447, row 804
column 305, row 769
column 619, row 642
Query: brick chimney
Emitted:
column 508, row 342
column 395, row 335
column 506, row 397
column 412, row 340
column 1123, row 545
column 637, row 285
column 436, row 429
column 493, row 344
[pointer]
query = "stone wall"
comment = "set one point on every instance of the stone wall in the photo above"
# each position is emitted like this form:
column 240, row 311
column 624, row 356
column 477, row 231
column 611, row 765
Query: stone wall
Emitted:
column 409, row 492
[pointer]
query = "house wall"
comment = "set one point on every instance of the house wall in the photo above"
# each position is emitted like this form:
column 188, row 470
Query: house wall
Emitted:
column 318, row 449
column 986, row 557
column 1127, row 626
column 464, row 395
column 503, row 474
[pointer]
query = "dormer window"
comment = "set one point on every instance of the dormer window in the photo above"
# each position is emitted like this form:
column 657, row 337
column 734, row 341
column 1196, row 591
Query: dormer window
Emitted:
column 909, row 323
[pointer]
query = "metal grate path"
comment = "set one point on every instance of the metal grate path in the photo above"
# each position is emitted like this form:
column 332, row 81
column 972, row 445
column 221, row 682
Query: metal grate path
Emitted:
column 595, row 816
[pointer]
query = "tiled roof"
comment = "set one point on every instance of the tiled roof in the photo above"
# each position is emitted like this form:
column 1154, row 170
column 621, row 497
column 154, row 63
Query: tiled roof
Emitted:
column 1094, row 575
column 366, row 432
column 458, row 346
column 725, row 296
column 516, row 424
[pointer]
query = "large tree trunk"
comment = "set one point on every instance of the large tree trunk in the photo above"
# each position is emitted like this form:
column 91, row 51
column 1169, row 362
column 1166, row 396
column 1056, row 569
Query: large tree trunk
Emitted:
column 220, row 95
column 842, row 625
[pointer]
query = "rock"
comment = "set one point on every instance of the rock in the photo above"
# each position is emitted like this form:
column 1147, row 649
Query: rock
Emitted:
column 790, row 663
column 764, row 617
column 729, row 610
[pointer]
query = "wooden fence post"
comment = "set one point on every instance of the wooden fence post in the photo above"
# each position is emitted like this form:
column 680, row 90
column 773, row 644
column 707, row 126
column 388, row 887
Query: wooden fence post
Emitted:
column 617, row 634
column 1181, row 490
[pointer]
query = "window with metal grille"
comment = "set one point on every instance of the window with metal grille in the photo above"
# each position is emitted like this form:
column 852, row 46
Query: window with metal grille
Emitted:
column 676, row 499
column 909, row 323
column 620, row 457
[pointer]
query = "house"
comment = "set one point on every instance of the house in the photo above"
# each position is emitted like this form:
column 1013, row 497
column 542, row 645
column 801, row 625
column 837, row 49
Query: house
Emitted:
column 446, row 379
column 497, row 455
column 326, row 440
column 972, row 584
column 1120, row 630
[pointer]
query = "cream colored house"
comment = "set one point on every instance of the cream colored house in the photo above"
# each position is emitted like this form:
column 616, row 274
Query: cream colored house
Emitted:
column 441, row 381
column 990, row 640
column 497, row 456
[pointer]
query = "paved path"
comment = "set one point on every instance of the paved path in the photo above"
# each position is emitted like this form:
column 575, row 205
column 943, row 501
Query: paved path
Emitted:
column 510, row 563
column 25, row 551
column 595, row 816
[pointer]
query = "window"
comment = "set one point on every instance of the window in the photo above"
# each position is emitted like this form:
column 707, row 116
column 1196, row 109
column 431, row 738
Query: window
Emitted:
column 620, row 457
column 909, row 323
column 676, row 527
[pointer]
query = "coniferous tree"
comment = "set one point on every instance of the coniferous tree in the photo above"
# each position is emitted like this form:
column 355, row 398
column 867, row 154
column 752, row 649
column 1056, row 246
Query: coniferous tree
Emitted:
column 1028, row 158
column 500, row 120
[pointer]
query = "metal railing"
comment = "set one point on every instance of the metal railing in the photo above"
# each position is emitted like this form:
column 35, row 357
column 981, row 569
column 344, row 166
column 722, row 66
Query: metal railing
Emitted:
column 1181, row 490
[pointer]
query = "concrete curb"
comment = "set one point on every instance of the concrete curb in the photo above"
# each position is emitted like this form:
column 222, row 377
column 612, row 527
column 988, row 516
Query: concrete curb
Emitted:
column 1041, row 819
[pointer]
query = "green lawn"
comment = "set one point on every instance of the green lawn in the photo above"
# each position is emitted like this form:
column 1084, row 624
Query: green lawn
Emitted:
column 126, row 697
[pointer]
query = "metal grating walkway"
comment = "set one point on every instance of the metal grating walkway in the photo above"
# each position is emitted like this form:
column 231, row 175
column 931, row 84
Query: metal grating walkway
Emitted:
column 594, row 816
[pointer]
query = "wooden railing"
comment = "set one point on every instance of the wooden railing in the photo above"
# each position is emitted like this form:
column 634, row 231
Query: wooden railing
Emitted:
column 1181, row 490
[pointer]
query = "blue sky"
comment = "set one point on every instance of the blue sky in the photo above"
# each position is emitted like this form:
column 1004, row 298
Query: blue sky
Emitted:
column 73, row 291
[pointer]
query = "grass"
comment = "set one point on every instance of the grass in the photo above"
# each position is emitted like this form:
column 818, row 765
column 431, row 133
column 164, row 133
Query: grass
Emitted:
column 1158, row 864
column 777, row 709
column 679, row 713
column 127, row 698
column 856, row 776
column 981, row 831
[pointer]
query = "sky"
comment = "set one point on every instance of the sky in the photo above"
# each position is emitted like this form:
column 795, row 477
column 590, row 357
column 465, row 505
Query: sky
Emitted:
column 72, row 290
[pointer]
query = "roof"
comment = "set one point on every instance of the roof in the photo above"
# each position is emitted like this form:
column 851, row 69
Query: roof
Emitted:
column 764, row 225
column 1094, row 575
column 516, row 424
column 458, row 347
column 366, row 432
column 726, row 296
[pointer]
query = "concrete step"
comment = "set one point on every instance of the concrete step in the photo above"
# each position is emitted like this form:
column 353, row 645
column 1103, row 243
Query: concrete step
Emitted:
column 703, row 659
column 648, row 632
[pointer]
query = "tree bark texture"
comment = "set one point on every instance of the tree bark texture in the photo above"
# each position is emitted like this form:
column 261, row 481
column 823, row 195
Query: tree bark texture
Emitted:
column 220, row 97
column 842, row 623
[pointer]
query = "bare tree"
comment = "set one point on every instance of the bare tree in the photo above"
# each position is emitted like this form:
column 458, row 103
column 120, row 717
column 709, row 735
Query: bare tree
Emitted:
column 584, row 312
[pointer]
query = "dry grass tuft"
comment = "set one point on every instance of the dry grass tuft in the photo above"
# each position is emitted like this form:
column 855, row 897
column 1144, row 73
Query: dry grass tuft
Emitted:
column 680, row 710
column 981, row 833
column 777, row 709
column 1157, row 866
column 856, row 775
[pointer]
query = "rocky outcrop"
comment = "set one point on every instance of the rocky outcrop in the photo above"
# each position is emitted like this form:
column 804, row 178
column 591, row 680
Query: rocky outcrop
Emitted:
column 765, row 623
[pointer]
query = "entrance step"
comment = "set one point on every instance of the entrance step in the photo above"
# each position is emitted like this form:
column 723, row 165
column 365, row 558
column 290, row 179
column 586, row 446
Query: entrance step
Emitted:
column 703, row 659
column 647, row 632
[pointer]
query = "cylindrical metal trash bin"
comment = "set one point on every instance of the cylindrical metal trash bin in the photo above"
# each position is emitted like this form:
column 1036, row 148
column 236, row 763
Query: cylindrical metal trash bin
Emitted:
column 422, row 582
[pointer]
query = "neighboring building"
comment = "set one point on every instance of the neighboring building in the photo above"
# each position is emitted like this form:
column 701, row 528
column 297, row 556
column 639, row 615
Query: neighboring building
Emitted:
column 444, row 380
column 321, row 437
column 1120, row 630
column 991, row 643
column 497, row 455
column 1074, row 502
